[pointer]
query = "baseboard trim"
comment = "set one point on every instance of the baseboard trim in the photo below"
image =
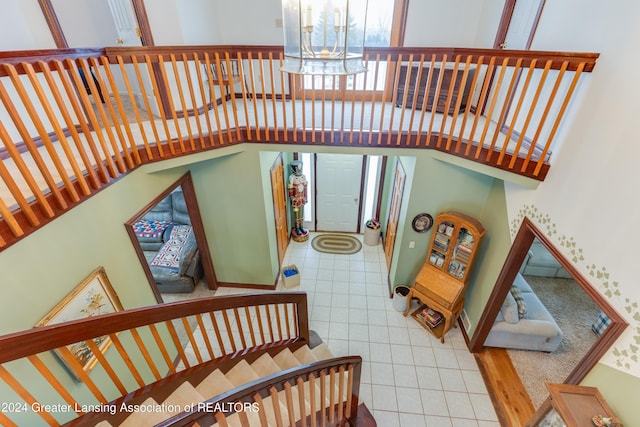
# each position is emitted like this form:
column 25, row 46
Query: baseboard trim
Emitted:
column 246, row 286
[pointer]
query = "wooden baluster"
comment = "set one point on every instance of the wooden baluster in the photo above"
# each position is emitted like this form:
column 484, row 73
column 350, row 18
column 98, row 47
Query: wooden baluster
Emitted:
column 33, row 150
column 323, row 103
column 472, row 91
column 260, row 327
column 87, row 109
column 5, row 421
column 212, row 97
column 192, row 340
column 532, row 108
column 147, row 104
column 170, row 101
column 145, row 353
column 95, row 91
column 447, row 104
column 332, row 395
column 159, row 104
column 205, row 335
column 340, row 392
column 28, row 398
column 206, row 105
column 123, row 115
column 127, row 360
column 353, row 105
column 185, row 111
column 236, row 314
column 62, row 108
column 232, row 92
column 560, row 115
column 252, row 82
column 273, row 97
column 545, row 114
column 460, row 95
column 216, row 330
column 516, row 113
column 287, row 320
column 163, row 348
column 394, row 100
column 363, row 94
column 494, row 98
column 221, row 419
column 505, row 107
column 289, row 400
column 312, row 399
column 276, row 308
column 250, row 324
column 53, row 381
column 136, row 111
column 244, row 421
column 334, row 91
column 323, row 398
column 303, row 100
column 75, row 367
column 262, row 412
column 373, row 99
column 194, row 104
column 263, row 87
column 225, row 110
column 436, row 98
column 414, row 103
column 13, row 186
column 97, row 353
column 275, row 402
column 269, row 323
column 481, row 101
column 227, row 325
column 293, row 89
column 301, row 401
column 114, row 117
column 425, row 100
column 243, row 88
column 285, row 134
column 177, row 343
column 313, row 108
column 5, row 213
column 349, row 413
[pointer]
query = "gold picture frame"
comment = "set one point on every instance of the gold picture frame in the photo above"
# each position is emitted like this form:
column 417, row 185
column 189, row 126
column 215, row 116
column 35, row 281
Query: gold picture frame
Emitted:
column 92, row 297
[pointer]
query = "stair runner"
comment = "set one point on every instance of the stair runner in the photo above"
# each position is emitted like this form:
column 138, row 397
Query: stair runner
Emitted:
column 218, row 382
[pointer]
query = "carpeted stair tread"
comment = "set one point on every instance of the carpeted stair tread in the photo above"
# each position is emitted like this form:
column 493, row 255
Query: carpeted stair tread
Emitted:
column 321, row 352
column 214, row 384
column 304, row 355
column 103, row 423
column 265, row 365
column 144, row 419
column 286, row 360
column 182, row 396
column 241, row 374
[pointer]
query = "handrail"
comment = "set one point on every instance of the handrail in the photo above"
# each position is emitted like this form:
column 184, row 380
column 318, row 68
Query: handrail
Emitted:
column 150, row 344
column 76, row 120
column 344, row 396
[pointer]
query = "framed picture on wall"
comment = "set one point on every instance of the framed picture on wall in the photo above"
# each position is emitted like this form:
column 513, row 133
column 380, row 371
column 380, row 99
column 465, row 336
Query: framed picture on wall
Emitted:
column 93, row 297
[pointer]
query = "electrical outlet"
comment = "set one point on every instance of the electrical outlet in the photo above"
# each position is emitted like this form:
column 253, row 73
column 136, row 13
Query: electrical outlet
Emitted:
column 278, row 22
column 412, row 244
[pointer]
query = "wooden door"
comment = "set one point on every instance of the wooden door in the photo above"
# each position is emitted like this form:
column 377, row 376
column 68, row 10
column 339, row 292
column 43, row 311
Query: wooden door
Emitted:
column 279, row 207
column 394, row 213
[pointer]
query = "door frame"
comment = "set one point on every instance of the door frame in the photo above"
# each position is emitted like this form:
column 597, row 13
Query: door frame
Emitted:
column 279, row 161
column 398, row 169
column 189, row 193
column 517, row 254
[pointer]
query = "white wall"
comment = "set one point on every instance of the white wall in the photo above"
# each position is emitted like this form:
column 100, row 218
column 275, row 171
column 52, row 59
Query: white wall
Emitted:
column 588, row 204
column 86, row 24
column 22, row 26
column 197, row 20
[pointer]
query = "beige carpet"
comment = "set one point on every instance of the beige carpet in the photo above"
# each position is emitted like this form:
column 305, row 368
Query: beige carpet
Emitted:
column 574, row 311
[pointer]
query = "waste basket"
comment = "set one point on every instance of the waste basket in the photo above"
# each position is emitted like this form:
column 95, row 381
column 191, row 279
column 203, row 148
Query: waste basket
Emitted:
column 400, row 293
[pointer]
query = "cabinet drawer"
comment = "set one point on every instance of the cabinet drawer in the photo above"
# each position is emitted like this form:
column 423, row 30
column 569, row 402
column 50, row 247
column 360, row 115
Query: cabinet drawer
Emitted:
column 438, row 299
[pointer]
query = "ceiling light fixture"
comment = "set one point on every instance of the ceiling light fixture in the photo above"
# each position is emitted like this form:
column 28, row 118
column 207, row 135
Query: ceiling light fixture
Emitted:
column 324, row 37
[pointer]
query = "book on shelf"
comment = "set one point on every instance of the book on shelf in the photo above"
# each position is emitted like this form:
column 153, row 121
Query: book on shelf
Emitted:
column 431, row 317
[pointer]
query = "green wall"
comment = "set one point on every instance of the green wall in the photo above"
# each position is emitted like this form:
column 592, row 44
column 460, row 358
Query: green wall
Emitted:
column 620, row 390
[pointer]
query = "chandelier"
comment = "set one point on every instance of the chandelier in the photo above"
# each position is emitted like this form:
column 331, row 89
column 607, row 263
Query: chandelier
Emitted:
column 324, row 37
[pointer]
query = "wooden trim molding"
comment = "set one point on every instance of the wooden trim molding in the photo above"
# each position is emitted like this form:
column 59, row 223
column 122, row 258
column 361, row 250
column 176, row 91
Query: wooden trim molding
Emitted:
column 54, row 24
column 522, row 242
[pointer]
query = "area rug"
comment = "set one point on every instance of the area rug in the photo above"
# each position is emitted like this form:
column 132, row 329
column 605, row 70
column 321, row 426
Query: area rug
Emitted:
column 574, row 311
column 342, row 244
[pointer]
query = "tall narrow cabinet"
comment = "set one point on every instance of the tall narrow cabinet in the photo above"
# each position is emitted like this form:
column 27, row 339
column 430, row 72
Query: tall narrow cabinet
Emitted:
column 442, row 280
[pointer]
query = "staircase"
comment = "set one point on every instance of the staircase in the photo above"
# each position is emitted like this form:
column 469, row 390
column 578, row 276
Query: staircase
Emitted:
column 256, row 368
column 242, row 373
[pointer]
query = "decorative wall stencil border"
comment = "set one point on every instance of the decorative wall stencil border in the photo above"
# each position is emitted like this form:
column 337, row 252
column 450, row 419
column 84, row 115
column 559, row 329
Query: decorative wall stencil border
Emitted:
column 601, row 278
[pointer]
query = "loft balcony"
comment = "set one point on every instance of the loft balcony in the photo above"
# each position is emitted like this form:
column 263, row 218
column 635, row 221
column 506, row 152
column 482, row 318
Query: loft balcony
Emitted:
column 72, row 121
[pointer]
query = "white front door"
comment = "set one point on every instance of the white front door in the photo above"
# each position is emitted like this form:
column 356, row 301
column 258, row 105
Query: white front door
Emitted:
column 126, row 23
column 338, row 181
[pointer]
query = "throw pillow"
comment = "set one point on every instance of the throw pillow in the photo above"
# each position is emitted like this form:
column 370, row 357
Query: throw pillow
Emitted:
column 520, row 302
column 509, row 309
column 600, row 324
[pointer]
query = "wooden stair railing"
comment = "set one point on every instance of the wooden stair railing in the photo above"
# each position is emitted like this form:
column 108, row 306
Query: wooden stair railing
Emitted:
column 65, row 136
column 338, row 382
column 151, row 346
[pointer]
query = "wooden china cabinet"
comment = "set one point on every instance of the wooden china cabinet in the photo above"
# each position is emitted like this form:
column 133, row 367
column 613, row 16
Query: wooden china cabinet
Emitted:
column 442, row 280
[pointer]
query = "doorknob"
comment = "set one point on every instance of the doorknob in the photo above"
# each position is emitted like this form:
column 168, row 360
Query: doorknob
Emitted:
column 503, row 45
column 119, row 41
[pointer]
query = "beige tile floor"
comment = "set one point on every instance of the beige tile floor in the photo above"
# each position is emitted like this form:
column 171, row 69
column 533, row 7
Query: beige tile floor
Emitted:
column 409, row 378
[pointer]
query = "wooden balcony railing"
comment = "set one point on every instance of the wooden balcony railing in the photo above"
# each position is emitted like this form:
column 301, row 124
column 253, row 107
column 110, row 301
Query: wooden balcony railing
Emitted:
column 73, row 121
column 151, row 347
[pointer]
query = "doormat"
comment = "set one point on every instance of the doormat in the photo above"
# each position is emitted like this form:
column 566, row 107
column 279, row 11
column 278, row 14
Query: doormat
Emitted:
column 342, row 244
